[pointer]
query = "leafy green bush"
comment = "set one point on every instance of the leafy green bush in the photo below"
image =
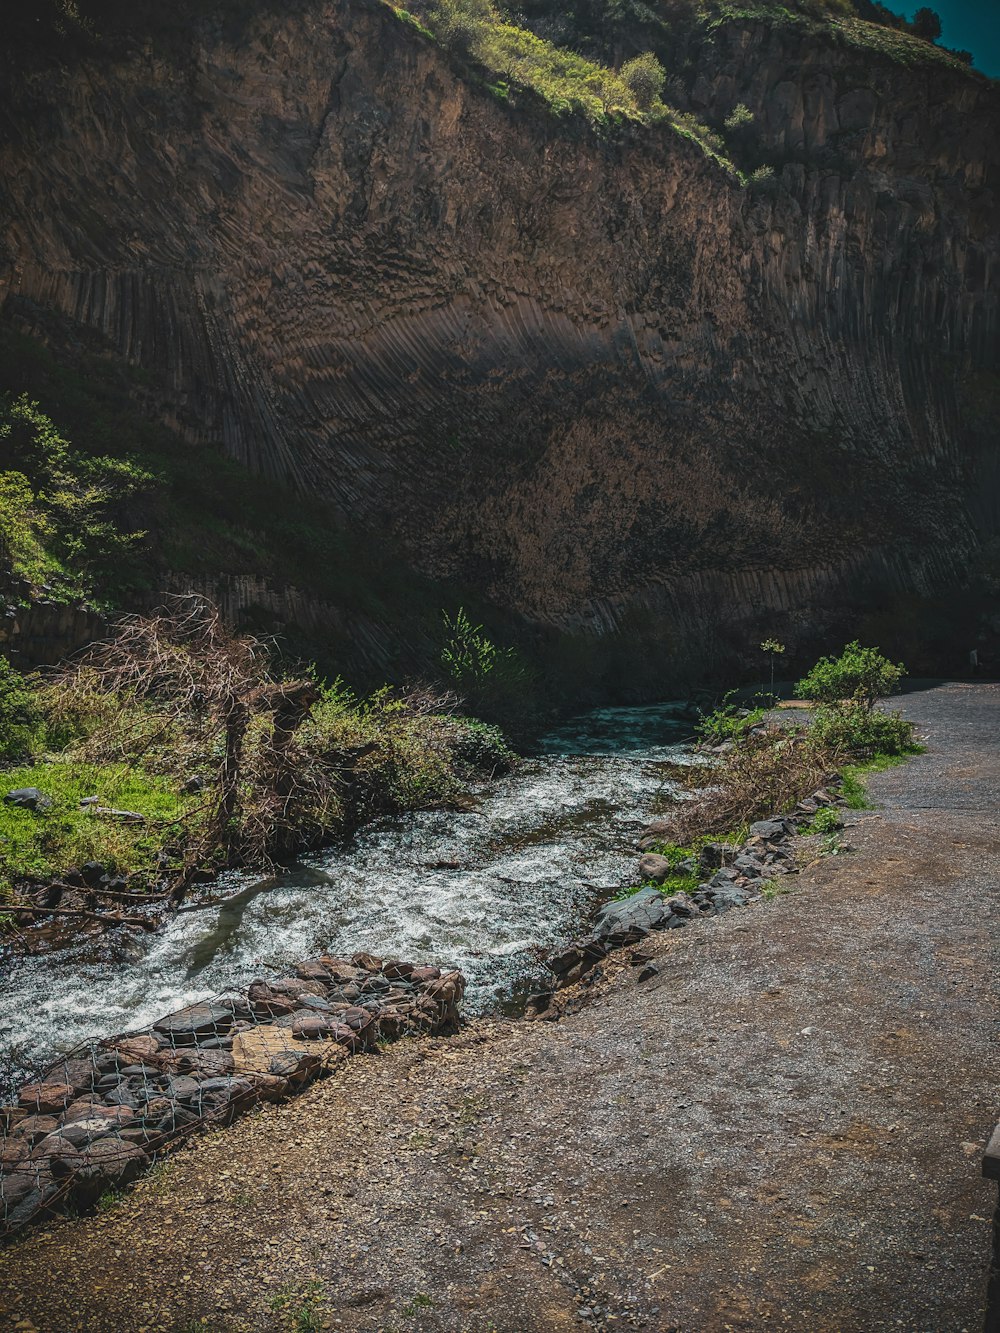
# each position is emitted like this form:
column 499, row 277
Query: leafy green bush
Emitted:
column 739, row 118
column 825, row 820
column 645, row 76
column 729, row 722
column 462, row 24
column 859, row 674
column 492, row 680
column 22, row 727
column 852, row 728
column 59, row 508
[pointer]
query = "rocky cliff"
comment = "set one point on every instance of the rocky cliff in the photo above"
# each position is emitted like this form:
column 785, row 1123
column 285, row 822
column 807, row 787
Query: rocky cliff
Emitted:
column 595, row 377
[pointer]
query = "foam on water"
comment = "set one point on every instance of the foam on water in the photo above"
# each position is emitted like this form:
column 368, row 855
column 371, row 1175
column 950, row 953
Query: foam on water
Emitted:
column 487, row 890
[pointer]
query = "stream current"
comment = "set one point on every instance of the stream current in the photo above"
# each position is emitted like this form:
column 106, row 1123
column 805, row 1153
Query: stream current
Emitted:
column 489, row 890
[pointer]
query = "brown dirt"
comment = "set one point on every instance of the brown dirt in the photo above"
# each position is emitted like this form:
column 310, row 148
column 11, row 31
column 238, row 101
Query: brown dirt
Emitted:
column 781, row 1130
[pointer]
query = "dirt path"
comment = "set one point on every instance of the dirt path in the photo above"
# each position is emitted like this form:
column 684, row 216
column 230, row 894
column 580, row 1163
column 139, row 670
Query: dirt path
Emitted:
column 781, row 1130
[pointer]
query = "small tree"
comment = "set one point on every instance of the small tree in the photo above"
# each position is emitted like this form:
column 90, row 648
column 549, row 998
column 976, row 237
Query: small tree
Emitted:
column 740, row 118
column 492, row 680
column 644, row 77
column 461, row 24
column 859, row 674
column 926, row 24
column 184, row 668
column 775, row 649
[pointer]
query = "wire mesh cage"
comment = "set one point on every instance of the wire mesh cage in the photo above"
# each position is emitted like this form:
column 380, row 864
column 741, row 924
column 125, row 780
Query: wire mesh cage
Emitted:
column 96, row 1118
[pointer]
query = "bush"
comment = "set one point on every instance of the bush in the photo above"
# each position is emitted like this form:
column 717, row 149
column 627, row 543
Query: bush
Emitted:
column 926, row 24
column 765, row 773
column 645, row 77
column 858, row 731
column 859, row 674
column 58, row 506
column 728, row 722
column 739, row 118
column 462, row 24
column 22, row 728
column 492, row 680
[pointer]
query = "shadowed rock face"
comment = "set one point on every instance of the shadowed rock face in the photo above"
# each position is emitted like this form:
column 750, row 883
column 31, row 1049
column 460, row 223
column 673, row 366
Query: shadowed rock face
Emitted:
column 598, row 380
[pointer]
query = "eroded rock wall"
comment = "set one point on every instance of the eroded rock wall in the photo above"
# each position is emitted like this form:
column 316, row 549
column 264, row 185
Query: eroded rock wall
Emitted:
column 595, row 378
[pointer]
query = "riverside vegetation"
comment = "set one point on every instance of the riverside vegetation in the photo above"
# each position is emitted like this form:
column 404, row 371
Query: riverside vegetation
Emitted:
column 756, row 764
column 176, row 749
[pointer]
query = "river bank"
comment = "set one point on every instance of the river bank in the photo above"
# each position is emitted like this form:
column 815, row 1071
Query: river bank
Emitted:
column 488, row 889
column 772, row 1132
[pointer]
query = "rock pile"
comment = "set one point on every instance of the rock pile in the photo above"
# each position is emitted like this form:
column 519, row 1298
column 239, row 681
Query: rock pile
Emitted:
column 731, row 877
column 97, row 1118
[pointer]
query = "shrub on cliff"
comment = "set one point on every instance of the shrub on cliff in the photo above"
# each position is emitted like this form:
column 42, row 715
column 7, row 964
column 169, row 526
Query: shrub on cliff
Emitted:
column 462, row 24
column 645, row 77
column 926, row 24
column 61, row 511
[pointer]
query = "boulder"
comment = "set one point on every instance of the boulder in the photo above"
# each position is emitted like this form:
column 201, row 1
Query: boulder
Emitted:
column 26, row 1195
column 368, row 961
column 266, row 1003
column 632, row 917
column 715, row 854
column 198, row 1061
column 420, row 975
column 46, row 1098
column 35, row 1127
column 654, row 868
column 106, row 1164
column 750, row 867
column 81, row 1131
column 771, row 830
column 208, row 1018
column 223, row 1099
column 270, row 1088
column 78, row 1073
column 312, row 1027
column 681, row 906
column 723, row 878
column 312, row 970
column 295, row 988
column 12, row 1152
column 395, row 969
column 29, row 798
column 723, row 900
column 582, row 952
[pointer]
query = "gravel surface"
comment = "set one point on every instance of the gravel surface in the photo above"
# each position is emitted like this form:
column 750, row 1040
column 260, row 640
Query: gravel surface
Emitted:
column 782, row 1129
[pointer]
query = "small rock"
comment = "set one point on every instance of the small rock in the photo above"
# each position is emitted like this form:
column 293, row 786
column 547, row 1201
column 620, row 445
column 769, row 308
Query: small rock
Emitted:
column 654, row 868
column 29, row 798
column 649, row 972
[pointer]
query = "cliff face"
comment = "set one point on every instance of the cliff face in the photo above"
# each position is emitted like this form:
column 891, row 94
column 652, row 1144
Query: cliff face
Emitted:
column 597, row 379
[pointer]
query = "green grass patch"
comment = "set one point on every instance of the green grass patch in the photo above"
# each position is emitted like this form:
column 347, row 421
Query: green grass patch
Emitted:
column 673, row 884
column 43, row 843
column 854, row 791
column 775, row 888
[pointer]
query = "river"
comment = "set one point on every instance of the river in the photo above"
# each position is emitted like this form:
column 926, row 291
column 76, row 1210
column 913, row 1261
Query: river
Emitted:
column 488, row 890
